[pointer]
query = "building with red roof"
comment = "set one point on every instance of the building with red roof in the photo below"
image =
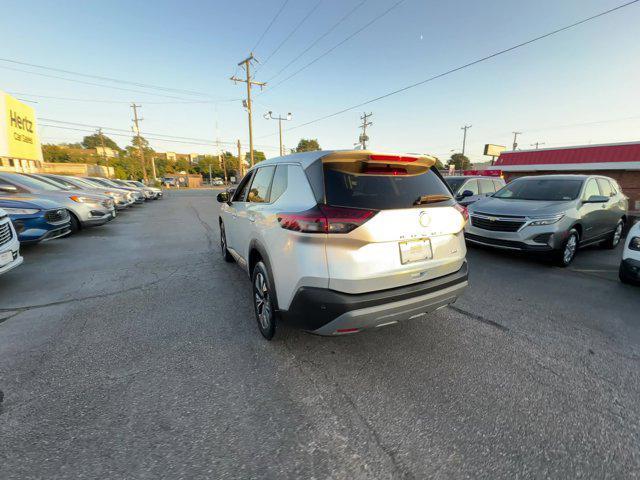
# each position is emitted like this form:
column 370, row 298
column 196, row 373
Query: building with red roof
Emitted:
column 620, row 161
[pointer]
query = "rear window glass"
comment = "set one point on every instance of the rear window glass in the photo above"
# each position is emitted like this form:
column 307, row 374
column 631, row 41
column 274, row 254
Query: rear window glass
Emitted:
column 486, row 185
column 381, row 186
column 605, row 187
column 279, row 184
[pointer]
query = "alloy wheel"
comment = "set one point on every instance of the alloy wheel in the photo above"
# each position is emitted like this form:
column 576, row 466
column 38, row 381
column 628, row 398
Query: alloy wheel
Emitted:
column 570, row 249
column 262, row 301
column 617, row 235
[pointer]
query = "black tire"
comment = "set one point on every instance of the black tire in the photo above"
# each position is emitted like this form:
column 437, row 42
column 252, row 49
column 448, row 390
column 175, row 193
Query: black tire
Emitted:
column 74, row 223
column 614, row 239
column 263, row 305
column 567, row 253
column 223, row 245
column 624, row 278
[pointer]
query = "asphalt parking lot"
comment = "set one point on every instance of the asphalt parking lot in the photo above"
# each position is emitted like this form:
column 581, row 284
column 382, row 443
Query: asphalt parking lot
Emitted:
column 131, row 351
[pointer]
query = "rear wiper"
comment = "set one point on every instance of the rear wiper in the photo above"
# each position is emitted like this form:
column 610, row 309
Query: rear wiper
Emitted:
column 424, row 199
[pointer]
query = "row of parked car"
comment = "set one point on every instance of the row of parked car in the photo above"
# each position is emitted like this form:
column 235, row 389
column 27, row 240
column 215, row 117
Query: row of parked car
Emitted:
column 557, row 214
column 36, row 207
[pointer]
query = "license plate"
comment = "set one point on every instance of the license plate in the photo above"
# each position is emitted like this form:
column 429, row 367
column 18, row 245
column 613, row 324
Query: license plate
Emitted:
column 415, row 250
column 5, row 258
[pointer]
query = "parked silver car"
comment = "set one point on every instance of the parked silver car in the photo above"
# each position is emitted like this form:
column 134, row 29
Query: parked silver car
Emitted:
column 137, row 192
column 550, row 213
column 469, row 189
column 121, row 198
column 86, row 209
column 154, row 193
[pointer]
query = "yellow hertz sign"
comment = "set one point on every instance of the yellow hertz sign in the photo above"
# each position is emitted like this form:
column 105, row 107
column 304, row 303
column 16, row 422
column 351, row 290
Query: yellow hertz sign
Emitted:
column 18, row 135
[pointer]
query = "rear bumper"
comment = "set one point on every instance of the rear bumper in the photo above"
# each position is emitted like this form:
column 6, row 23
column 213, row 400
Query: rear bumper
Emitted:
column 328, row 312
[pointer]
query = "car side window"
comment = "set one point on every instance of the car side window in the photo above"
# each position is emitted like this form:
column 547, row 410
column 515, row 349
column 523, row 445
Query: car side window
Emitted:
column 259, row 191
column 605, row 187
column 498, row 184
column 591, row 189
column 486, row 186
column 241, row 191
column 279, row 184
column 470, row 185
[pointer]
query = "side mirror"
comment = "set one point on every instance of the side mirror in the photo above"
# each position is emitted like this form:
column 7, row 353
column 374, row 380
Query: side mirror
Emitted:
column 597, row 199
column 8, row 188
column 223, row 197
column 466, row 193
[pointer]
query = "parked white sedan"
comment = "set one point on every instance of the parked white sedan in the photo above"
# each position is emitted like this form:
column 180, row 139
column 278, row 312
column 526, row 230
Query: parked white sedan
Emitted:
column 9, row 244
column 630, row 265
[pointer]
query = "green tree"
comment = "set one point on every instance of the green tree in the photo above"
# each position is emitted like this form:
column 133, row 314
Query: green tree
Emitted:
column 460, row 161
column 308, row 145
column 55, row 153
column 93, row 141
column 439, row 165
column 258, row 156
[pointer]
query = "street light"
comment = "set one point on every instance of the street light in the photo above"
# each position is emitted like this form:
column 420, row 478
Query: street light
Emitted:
column 269, row 116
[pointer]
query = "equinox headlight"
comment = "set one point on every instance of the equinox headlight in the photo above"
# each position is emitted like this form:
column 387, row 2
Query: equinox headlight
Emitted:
column 545, row 220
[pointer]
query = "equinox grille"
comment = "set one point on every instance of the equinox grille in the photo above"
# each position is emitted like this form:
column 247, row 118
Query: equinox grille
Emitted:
column 497, row 224
column 5, row 233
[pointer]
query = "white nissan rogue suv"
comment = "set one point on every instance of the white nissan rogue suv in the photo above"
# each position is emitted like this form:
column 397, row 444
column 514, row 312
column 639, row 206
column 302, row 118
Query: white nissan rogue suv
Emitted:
column 340, row 241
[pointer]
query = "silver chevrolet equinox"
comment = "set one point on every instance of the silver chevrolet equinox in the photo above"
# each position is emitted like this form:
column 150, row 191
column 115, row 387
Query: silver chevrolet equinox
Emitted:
column 336, row 242
column 550, row 213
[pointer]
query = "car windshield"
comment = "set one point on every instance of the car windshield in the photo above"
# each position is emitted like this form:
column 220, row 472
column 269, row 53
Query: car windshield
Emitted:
column 31, row 183
column 55, row 182
column 454, row 183
column 542, row 189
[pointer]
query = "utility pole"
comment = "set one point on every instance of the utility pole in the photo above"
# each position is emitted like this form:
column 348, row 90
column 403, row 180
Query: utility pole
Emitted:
column 464, row 137
column 537, row 144
column 137, row 131
column 246, row 63
column 363, row 136
column 223, row 162
column 515, row 139
column 210, row 179
column 104, row 152
column 269, row 116
column 240, row 162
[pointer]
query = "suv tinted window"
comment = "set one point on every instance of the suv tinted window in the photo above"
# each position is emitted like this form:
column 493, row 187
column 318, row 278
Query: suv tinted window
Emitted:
column 259, row 191
column 605, row 187
column 486, row 185
column 279, row 184
column 241, row 191
column 362, row 185
column 591, row 189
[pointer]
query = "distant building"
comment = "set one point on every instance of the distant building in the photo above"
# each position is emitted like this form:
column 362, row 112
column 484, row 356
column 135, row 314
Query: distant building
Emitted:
column 620, row 161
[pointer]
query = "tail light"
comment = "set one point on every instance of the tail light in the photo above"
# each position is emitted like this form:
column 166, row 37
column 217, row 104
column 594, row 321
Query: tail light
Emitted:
column 392, row 158
column 325, row 219
column 385, row 171
column 463, row 211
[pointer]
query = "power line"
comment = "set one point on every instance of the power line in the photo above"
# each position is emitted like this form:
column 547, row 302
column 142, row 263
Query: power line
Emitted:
column 93, row 84
column 109, row 79
column 270, row 24
column 321, row 37
column 144, row 134
column 295, row 29
column 461, row 67
column 92, row 100
column 327, row 52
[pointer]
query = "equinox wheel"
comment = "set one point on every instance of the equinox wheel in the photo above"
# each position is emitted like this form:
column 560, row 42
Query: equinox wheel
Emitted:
column 615, row 237
column 263, row 301
column 223, row 245
column 567, row 253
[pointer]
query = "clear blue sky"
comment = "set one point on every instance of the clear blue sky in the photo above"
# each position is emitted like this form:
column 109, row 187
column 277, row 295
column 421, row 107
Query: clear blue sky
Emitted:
column 585, row 75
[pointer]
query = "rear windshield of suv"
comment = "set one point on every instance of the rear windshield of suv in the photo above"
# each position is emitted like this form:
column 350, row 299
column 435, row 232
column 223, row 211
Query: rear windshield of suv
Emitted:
column 541, row 189
column 382, row 187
